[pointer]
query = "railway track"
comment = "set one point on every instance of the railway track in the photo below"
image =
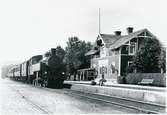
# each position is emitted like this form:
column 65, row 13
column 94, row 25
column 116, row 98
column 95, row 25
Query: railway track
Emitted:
column 36, row 106
column 141, row 107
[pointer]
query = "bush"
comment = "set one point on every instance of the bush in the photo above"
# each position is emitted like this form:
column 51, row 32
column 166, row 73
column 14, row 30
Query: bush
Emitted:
column 93, row 82
column 134, row 78
column 121, row 79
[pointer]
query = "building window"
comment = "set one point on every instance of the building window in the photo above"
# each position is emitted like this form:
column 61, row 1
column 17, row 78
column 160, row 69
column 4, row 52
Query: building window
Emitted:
column 103, row 52
column 124, row 49
column 132, row 48
column 103, row 70
column 113, row 67
column 100, row 70
column 130, row 63
column 111, row 52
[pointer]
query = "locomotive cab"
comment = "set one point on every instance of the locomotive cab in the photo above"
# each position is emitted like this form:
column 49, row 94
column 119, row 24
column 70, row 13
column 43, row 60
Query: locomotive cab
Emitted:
column 34, row 67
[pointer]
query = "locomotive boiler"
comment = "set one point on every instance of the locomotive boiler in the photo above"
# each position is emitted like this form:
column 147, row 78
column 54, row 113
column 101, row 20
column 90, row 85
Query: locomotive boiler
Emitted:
column 51, row 70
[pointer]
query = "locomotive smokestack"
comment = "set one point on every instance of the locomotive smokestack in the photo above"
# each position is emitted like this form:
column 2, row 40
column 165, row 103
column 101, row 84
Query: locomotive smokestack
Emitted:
column 53, row 51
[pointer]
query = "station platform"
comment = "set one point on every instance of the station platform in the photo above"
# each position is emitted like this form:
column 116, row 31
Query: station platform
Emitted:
column 155, row 95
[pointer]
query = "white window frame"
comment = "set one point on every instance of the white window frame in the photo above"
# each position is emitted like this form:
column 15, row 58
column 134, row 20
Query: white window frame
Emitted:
column 134, row 50
column 113, row 63
column 103, row 52
column 130, row 62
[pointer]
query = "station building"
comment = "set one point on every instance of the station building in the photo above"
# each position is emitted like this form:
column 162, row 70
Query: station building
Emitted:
column 113, row 53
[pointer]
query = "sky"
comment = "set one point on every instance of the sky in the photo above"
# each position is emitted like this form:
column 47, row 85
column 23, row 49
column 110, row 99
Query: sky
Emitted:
column 31, row 27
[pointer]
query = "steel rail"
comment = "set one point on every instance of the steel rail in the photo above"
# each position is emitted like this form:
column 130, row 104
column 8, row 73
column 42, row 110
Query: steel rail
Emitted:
column 123, row 102
column 38, row 107
column 98, row 98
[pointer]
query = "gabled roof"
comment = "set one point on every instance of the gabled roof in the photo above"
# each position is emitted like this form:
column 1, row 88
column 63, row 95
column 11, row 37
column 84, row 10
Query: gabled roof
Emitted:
column 109, row 39
column 126, row 38
column 91, row 52
column 113, row 41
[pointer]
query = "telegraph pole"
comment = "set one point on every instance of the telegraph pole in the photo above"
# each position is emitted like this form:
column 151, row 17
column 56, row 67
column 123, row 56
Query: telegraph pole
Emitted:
column 99, row 22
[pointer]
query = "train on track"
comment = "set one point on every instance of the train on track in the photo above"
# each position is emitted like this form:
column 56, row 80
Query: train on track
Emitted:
column 39, row 70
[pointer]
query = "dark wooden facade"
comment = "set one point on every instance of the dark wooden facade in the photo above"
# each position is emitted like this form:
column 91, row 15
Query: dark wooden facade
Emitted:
column 113, row 53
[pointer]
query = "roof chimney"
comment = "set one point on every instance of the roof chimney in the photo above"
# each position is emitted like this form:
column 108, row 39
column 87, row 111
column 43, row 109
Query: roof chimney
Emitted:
column 117, row 33
column 129, row 30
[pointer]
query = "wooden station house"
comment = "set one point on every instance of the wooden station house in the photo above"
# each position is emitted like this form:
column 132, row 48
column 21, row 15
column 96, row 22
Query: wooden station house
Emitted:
column 113, row 53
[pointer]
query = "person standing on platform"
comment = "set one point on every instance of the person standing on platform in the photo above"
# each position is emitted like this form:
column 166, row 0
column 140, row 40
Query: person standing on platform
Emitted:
column 102, row 80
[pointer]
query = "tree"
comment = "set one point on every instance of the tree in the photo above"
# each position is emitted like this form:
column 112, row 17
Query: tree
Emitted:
column 75, row 55
column 85, row 60
column 147, row 59
column 163, row 60
column 47, row 54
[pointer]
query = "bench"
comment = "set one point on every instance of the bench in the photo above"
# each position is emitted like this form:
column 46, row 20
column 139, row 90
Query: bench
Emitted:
column 146, row 82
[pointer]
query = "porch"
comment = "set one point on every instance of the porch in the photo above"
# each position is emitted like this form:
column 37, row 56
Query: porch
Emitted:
column 86, row 74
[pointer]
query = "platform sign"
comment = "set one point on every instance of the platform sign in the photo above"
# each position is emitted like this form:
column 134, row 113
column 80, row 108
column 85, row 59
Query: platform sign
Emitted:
column 103, row 62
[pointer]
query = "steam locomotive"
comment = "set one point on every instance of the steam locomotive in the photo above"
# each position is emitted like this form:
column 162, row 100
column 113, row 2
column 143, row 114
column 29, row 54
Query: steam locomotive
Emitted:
column 39, row 70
